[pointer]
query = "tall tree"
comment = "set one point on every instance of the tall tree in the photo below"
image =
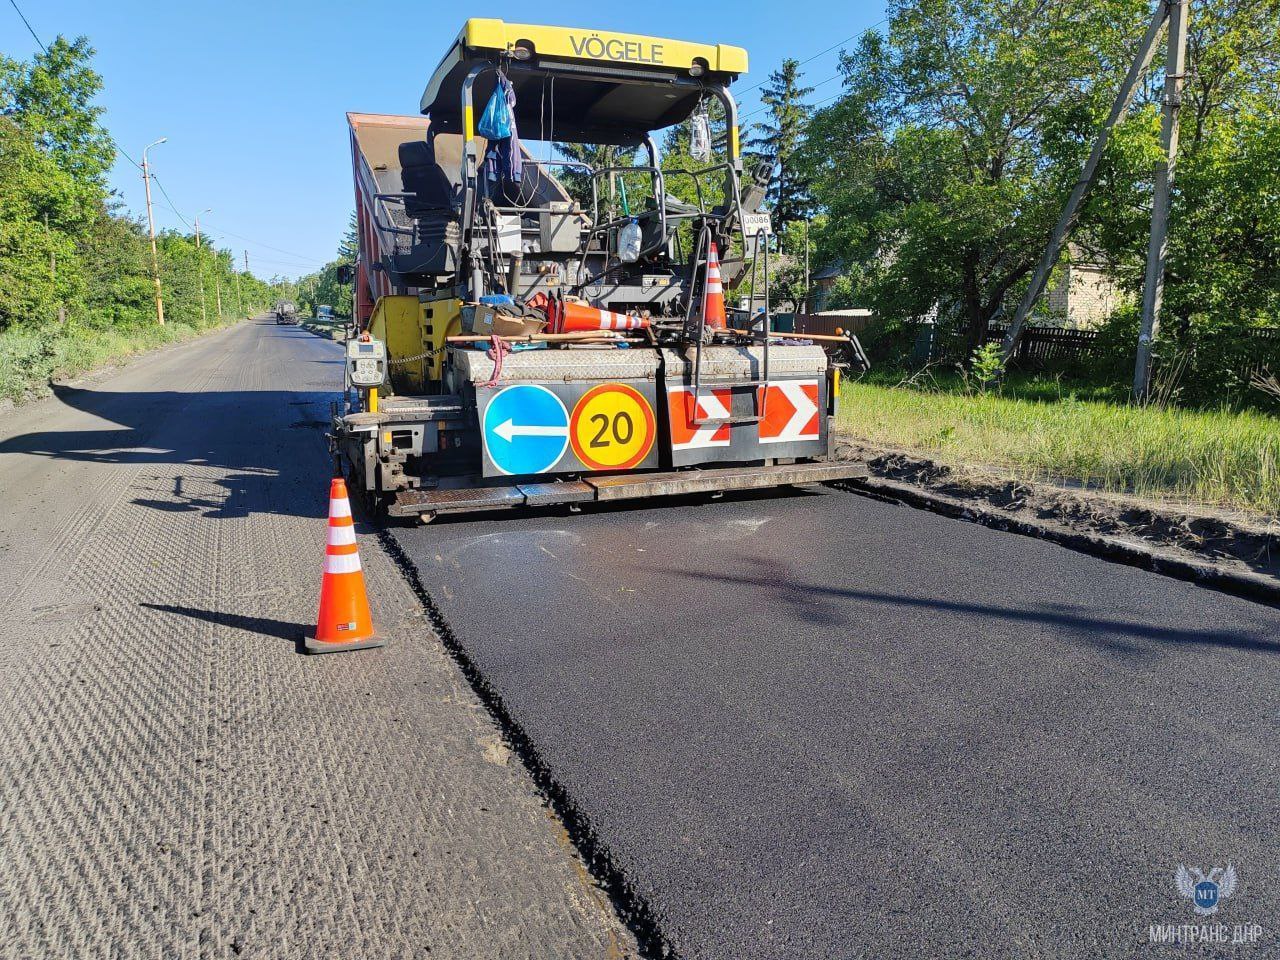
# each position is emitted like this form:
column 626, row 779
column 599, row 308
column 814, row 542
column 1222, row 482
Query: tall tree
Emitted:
column 349, row 246
column 69, row 260
column 51, row 97
column 1222, row 229
column 945, row 162
column 778, row 138
column 323, row 286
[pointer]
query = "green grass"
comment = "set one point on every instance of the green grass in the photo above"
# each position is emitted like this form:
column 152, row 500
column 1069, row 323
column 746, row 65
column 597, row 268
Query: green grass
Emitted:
column 30, row 358
column 1216, row 457
column 1026, row 386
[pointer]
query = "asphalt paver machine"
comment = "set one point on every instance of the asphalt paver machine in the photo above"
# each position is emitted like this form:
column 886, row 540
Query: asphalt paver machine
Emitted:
column 518, row 342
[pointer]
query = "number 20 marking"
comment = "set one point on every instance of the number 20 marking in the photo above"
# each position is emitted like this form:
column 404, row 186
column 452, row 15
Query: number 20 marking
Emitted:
column 619, row 418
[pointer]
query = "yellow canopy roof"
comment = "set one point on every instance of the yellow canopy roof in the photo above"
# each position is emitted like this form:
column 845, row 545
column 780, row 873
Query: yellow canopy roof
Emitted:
column 609, row 87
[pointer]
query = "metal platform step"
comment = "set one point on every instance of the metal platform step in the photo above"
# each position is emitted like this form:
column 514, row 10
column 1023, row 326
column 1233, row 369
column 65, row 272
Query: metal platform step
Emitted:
column 630, row 485
column 622, row 486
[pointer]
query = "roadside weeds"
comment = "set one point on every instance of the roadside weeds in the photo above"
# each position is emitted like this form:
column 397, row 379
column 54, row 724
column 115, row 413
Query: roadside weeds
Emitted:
column 1222, row 457
column 32, row 362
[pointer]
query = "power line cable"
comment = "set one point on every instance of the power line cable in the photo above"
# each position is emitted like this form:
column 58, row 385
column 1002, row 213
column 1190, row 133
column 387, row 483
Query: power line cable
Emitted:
column 267, row 246
column 170, row 199
column 820, row 83
column 14, row 4
column 222, row 235
column 120, row 150
column 299, row 261
column 856, row 36
column 172, row 208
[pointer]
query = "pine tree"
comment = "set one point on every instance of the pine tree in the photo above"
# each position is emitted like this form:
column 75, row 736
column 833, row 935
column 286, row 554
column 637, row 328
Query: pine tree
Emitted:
column 779, row 137
column 597, row 156
column 349, row 248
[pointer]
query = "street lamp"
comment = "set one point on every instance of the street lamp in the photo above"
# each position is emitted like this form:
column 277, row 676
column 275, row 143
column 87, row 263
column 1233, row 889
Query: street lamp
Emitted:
column 204, row 314
column 151, row 228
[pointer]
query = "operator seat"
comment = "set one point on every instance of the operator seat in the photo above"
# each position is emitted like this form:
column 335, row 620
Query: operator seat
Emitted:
column 434, row 194
column 426, row 241
column 650, row 222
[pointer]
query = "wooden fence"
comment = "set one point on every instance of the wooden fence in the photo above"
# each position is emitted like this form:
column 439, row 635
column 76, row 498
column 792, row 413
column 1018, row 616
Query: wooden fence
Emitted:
column 1048, row 346
column 827, row 326
column 1039, row 346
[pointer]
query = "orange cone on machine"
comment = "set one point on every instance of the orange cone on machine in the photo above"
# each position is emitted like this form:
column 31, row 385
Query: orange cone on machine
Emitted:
column 572, row 317
column 344, row 622
column 715, row 314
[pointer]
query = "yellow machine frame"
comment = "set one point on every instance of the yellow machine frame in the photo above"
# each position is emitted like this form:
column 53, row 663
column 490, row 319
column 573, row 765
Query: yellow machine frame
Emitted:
column 415, row 328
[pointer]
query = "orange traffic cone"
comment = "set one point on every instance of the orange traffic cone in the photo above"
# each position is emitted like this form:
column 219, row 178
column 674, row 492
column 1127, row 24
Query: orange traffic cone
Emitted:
column 715, row 314
column 571, row 317
column 344, row 622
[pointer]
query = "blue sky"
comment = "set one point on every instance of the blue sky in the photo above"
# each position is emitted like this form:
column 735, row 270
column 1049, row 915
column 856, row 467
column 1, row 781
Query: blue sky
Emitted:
column 252, row 96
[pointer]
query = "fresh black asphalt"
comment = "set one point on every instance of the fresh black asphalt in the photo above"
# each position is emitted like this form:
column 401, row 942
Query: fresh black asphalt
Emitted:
column 819, row 725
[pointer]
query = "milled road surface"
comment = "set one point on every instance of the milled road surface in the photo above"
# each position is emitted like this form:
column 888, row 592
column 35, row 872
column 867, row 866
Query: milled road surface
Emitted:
column 175, row 780
column 820, row 725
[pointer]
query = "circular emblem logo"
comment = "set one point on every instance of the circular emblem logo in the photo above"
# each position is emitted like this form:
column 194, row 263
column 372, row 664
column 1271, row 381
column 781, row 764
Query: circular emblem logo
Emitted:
column 612, row 427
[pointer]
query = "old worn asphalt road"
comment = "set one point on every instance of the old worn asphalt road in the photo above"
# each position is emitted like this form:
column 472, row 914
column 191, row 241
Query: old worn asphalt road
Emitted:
column 818, row 725
column 175, row 780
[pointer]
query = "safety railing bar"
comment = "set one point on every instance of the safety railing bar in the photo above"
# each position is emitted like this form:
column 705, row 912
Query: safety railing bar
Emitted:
column 765, row 326
column 702, row 256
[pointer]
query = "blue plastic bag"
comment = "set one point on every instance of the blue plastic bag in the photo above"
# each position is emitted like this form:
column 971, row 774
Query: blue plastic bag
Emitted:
column 495, row 122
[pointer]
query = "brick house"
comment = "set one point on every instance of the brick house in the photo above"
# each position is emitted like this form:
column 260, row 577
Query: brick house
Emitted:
column 1083, row 294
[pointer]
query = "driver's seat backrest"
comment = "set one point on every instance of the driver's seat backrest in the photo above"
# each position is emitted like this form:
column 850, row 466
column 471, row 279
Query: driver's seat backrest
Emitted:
column 434, row 193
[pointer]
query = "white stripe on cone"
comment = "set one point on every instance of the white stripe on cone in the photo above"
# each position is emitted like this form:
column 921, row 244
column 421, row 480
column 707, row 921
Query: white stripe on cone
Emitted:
column 342, row 563
column 628, row 323
column 340, row 508
column 714, row 284
column 620, row 321
column 342, row 535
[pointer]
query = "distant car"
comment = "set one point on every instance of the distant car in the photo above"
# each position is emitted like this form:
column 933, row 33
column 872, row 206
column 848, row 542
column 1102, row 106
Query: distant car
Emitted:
column 286, row 311
column 324, row 312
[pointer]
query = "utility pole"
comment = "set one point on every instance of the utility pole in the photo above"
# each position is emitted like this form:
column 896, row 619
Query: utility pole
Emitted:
column 1089, row 175
column 151, row 229
column 204, row 314
column 806, row 268
column 1157, row 250
column 239, row 299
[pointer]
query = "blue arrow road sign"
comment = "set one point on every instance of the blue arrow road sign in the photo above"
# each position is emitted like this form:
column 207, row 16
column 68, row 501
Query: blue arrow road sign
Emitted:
column 526, row 429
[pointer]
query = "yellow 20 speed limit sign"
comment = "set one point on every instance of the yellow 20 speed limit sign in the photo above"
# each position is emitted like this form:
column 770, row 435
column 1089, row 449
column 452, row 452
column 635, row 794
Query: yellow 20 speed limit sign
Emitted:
column 612, row 427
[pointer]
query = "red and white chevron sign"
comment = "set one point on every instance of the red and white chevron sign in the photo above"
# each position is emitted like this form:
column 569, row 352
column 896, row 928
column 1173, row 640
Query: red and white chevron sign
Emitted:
column 790, row 411
column 713, row 405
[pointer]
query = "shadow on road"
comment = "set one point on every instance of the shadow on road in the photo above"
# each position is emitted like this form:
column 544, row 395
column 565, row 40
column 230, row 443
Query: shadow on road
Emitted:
column 266, row 626
column 838, row 606
column 269, row 442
